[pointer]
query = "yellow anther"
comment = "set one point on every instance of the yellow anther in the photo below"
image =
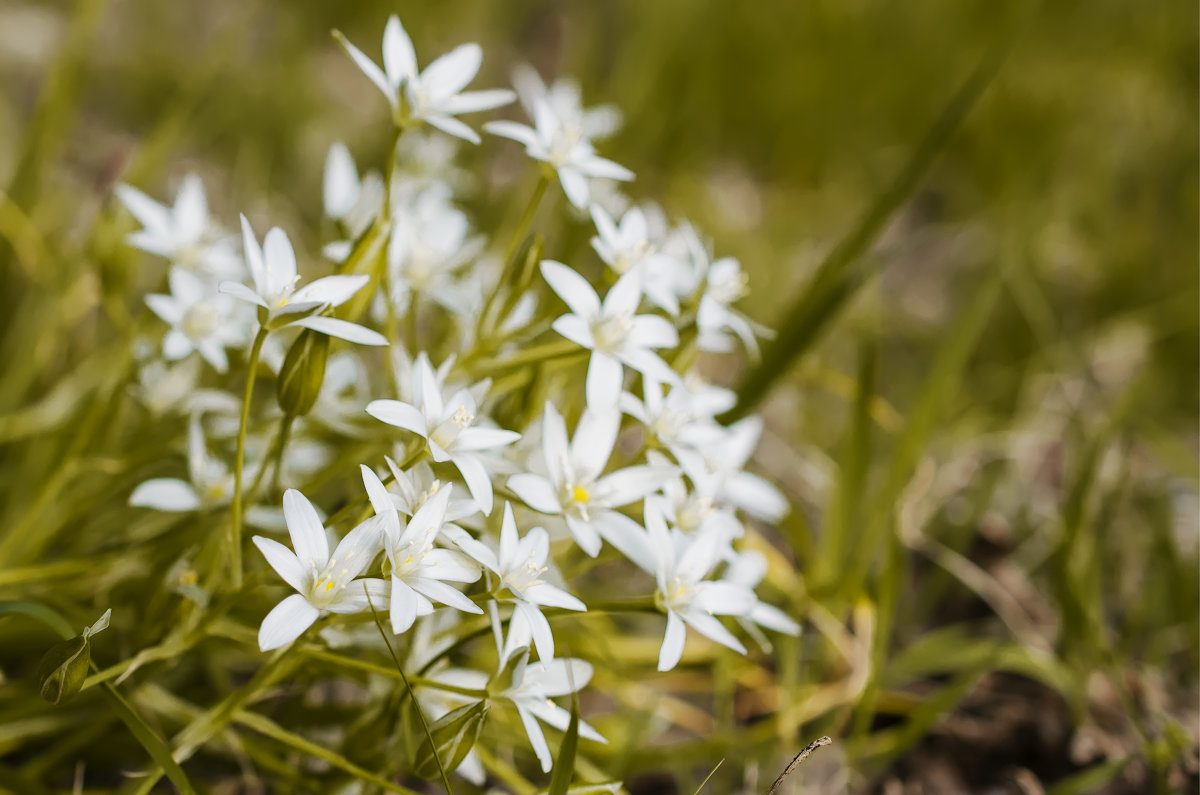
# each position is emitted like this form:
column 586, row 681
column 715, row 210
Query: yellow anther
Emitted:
column 580, row 494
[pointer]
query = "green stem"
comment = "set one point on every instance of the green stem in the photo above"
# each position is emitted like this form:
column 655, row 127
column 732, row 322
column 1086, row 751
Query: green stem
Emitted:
column 274, row 458
column 531, row 356
column 514, row 244
column 235, row 526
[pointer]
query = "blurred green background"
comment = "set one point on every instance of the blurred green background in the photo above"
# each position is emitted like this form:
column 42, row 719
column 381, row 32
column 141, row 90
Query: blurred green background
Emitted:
column 773, row 126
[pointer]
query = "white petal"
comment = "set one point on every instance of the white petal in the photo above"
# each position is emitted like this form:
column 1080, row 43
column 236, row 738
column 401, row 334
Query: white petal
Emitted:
column 572, row 288
column 585, row 536
column 452, row 126
column 241, row 292
column 713, row 629
column 165, row 307
column 150, row 213
column 357, row 549
column 399, row 58
column 631, row 484
column 341, row 184
column 431, row 515
column 332, row 290
column 508, row 538
column 627, row 537
column 254, row 258
column 286, row 622
column 653, row 331
column 479, row 483
column 368, row 68
column 342, row 329
column 603, row 385
column 284, row 561
column 450, row 73
column 474, row 101
column 381, row 501
column 402, row 415
column 304, row 526
column 574, row 185
column 576, row 329
column 595, row 436
column 773, row 618
column 554, row 443
column 551, row 596
column 756, row 497
column 672, row 645
column 403, row 606
column 484, row 439
column 191, row 209
column 536, row 738
column 595, row 166
column 625, row 295
column 447, row 595
column 536, row 492
column 280, row 260
column 520, row 133
column 165, row 494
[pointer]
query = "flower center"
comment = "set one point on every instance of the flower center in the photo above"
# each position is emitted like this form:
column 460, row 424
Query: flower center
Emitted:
column 200, row 320
column 610, row 332
column 447, row 432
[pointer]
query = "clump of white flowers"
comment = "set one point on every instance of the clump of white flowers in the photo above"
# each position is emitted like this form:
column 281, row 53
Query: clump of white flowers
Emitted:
column 564, row 426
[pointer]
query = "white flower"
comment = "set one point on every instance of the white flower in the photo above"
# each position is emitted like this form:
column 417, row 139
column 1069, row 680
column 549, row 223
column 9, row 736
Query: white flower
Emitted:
column 183, row 233
column 574, row 488
column 564, row 98
column 682, row 563
column 683, row 420
column 720, row 460
column 429, row 242
column 211, row 483
column 434, row 96
column 520, row 567
column 352, row 201
column 747, row 569
column 201, row 320
column 532, row 688
column 273, row 268
column 418, row 571
column 628, row 247
column 611, row 331
column 326, row 583
column 562, row 143
column 447, row 425
column 696, row 510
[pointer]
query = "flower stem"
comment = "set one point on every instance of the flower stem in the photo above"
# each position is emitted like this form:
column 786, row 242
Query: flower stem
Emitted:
column 514, row 244
column 235, row 526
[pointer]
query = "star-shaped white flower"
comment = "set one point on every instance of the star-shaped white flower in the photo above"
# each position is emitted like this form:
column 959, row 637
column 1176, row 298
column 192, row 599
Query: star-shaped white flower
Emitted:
column 201, row 320
column 434, row 96
column 448, row 426
column 681, row 565
column 520, row 566
column 273, row 268
column 564, row 146
column 419, row 572
column 627, row 246
column 534, row 685
column 348, row 199
column 573, row 487
column 210, row 486
column 611, row 330
column 325, row 583
column 183, row 233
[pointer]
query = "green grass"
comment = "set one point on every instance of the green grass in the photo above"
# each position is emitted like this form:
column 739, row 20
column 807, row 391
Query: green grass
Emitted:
column 987, row 421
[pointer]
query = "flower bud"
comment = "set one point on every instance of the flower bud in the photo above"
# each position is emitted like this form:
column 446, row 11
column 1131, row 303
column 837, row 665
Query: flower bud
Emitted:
column 302, row 373
column 64, row 667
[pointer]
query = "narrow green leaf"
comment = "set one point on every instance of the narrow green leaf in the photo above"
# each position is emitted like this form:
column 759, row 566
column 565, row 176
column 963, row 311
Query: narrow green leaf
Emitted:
column 450, row 739
column 268, row 728
column 564, row 765
column 838, row 277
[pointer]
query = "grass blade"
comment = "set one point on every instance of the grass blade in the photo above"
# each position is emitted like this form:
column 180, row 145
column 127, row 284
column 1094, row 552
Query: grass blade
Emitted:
column 838, row 278
column 564, row 765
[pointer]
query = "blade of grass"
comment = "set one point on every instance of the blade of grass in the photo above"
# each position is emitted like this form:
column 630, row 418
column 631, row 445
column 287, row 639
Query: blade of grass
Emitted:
column 408, row 688
column 268, row 728
column 564, row 765
column 838, row 277
column 707, row 778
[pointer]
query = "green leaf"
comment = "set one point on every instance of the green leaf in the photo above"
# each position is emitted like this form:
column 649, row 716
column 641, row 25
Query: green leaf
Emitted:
column 450, row 738
column 63, row 669
column 564, row 765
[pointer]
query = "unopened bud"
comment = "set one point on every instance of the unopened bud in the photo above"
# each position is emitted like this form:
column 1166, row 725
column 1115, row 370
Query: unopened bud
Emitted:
column 64, row 667
column 302, row 373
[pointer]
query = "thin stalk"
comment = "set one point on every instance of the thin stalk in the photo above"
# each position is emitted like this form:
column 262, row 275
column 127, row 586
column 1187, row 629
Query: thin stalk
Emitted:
column 274, row 458
column 514, row 243
column 235, row 526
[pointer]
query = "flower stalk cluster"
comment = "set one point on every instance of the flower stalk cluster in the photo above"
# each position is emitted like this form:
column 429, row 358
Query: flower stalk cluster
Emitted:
column 493, row 460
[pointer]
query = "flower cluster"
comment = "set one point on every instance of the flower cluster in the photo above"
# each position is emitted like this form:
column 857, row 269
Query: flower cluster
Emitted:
column 507, row 413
